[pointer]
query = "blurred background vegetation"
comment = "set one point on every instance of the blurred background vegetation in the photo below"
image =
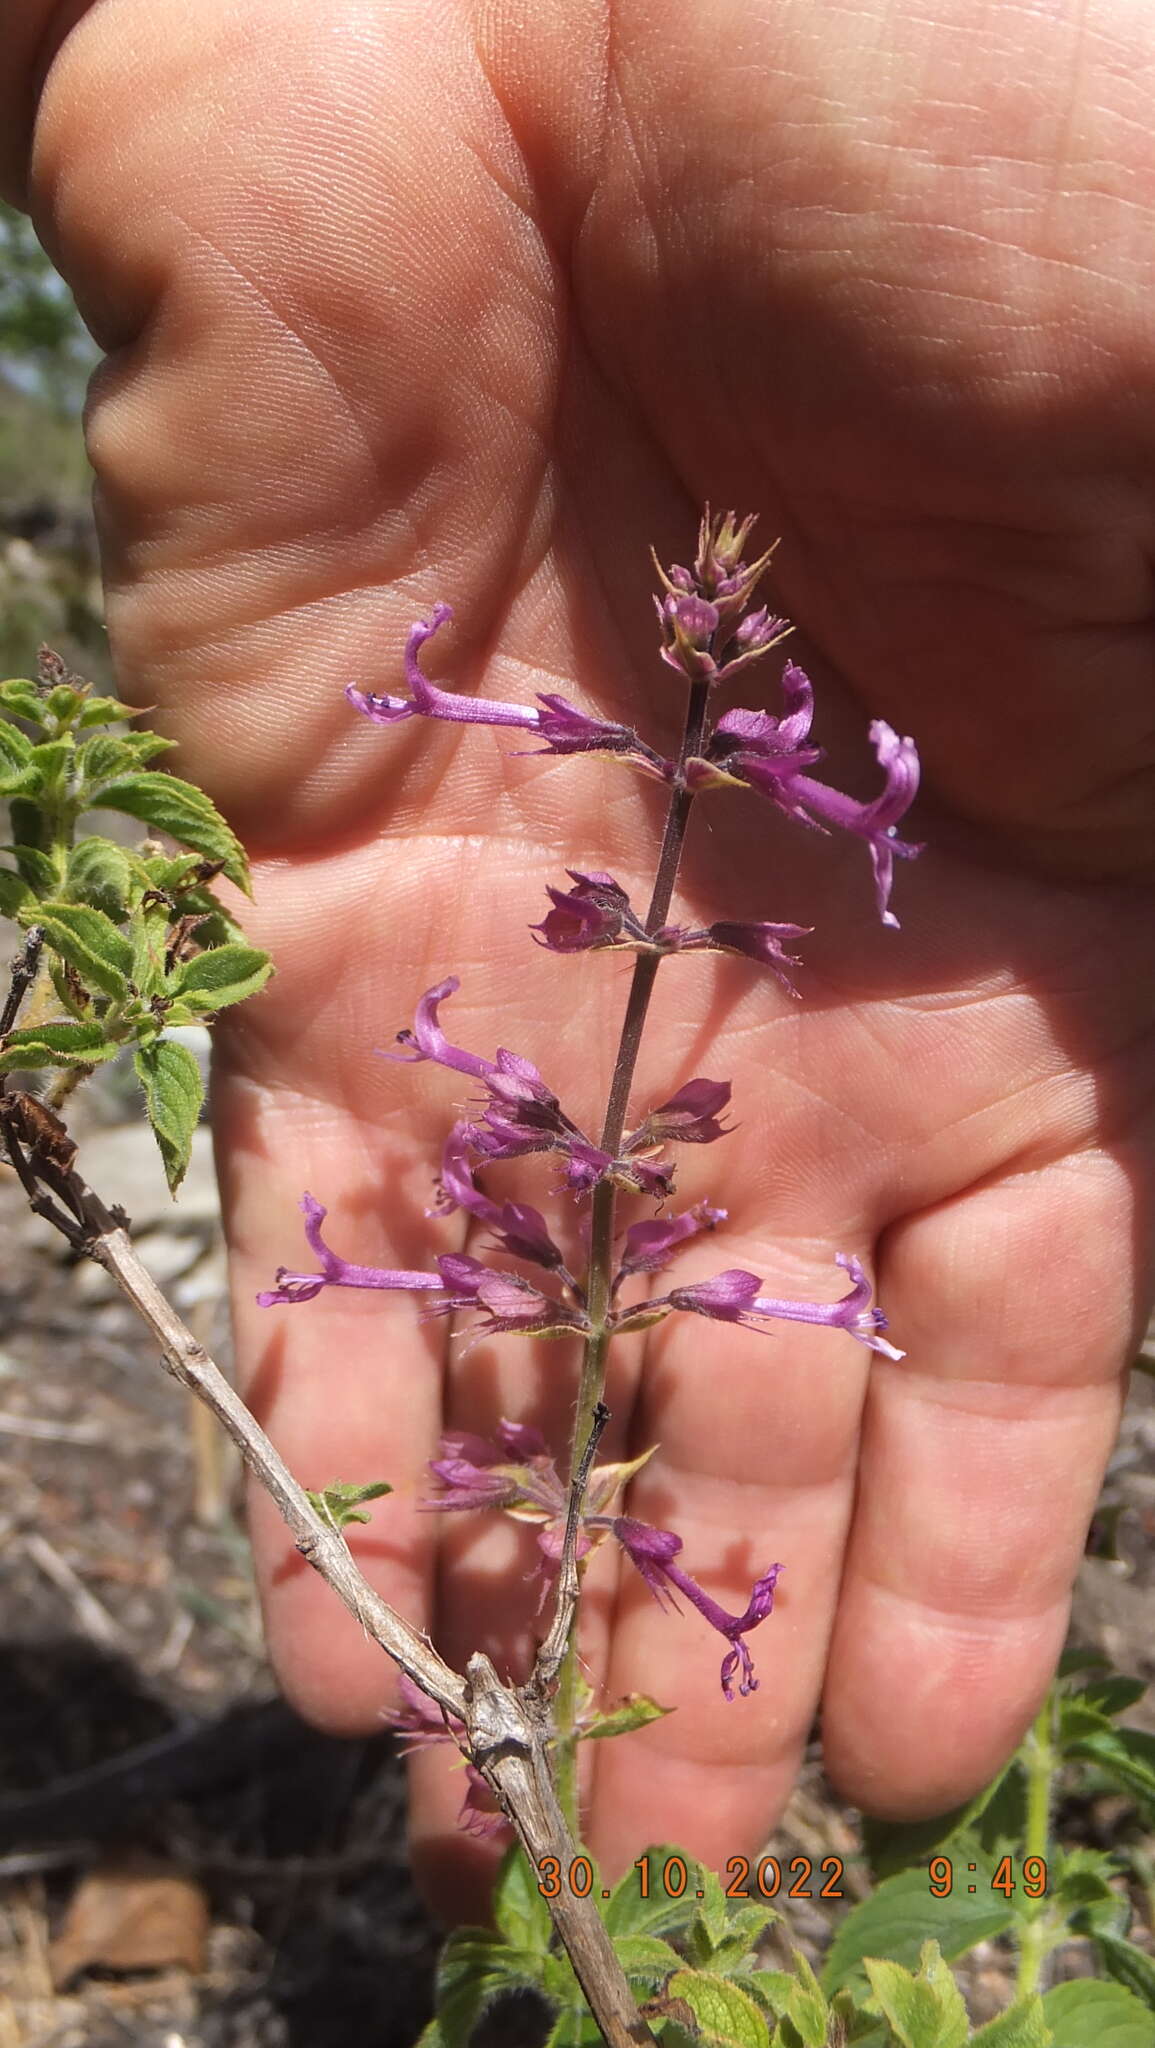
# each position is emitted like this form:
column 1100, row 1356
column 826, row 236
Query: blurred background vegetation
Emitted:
column 49, row 588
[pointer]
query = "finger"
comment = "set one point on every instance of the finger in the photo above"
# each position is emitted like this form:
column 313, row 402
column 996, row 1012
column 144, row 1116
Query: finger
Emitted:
column 982, row 1458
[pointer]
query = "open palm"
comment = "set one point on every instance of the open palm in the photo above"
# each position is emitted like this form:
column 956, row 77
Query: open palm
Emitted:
column 413, row 304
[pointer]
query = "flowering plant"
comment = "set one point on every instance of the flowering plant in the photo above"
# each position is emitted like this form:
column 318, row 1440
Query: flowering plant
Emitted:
column 589, row 1275
column 121, row 946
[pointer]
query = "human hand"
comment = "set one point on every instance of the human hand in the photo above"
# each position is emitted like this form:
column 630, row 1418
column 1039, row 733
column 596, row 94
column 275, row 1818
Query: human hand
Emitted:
column 404, row 307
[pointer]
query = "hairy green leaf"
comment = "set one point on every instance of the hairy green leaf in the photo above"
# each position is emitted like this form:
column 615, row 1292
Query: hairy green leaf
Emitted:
column 1113, row 1694
column 173, row 1093
column 647, row 1961
column 1130, row 1966
column 476, row 1968
column 102, row 874
column 20, row 697
column 1127, row 1757
column 57, row 1045
column 892, row 1846
column 1086, row 2013
column 90, row 942
column 38, row 869
column 902, row 1914
column 227, row 974
column 184, row 812
column 341, row 1503
column 1023, row 2025
column 519, row 1909
column 725, row 2016
column 926, row 2011
column 641, row 1902
column 103, row 711
column 110, row 756
column 636, row 1711
column 14, row 892
column 48, row 764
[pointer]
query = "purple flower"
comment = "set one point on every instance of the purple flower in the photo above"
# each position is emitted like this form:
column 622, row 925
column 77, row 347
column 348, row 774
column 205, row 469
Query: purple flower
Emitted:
column 585, row 1166
column 758, row 749
column 690, row 1117
column 771, row 756
column 520, row 1229
column 564, row 728
column 653, row 1552
column 518, row 1475
column 648, row 1246
column 420, row 1722
column 478, row 1474
column 506, row 1301
column 707, row 630
column 292, row 1288
column 735, row 1297
column 427, row 1041
column 760, row 942
column 875, row 822
column 522, row 1115
column 592, row 914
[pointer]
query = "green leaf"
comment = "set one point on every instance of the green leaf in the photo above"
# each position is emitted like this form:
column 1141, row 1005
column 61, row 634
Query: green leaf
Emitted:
column 476, row 1969
column 101, row 874
column 745, row 1929
column 15, row 758
column 646, row 1960
column 926, row 2011
column 1077, row 1721
column 795, row 1995
column 227, row 974
column 90, row 942
column 1086, row 2013
column 575, row 2029
column 103, row 711
column 57, row 1045
column 184, row 812
column 1113, row 1695
column 21, row 698
column 636, row 1711
column 860, row 2029
column 726, row 2017
column 902, row 1914
column 1082, row 1877
column 38, row 870
column 640, row 1902
column 1127, row 1757
column 48, row 764
column 340, row 1503
column 63, row 702
column 173, row 1093
column 519, row 1908
column 13, row 892
column 1023, row 2025
column 111, row 755
column 1128, row 1965
column 893, row 1846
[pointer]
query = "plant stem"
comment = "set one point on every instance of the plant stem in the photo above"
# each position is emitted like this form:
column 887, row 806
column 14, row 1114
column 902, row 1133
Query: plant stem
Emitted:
column 1041, row 1758
column 599, row 1275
